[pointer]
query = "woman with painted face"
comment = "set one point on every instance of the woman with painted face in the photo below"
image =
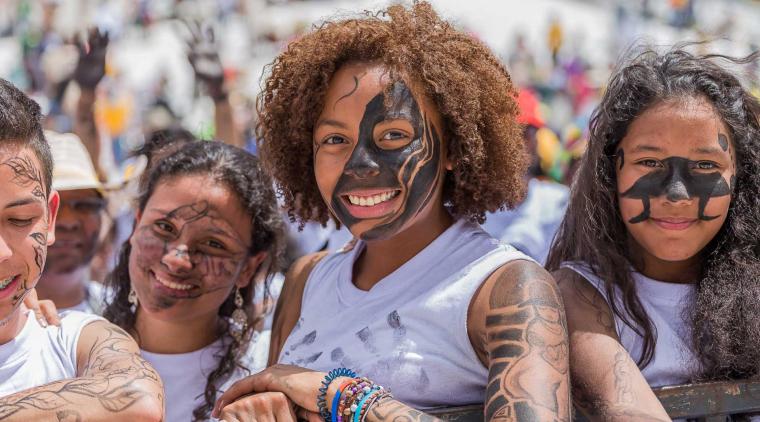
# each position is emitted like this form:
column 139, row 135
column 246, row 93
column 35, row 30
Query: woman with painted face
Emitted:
column 657, row 256
column 206, row 226
column 403, row 129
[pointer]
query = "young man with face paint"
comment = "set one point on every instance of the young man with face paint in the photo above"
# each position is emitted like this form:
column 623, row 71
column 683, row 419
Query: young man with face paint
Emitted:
column 86, row 368
column 424, row 302
column 659, row 290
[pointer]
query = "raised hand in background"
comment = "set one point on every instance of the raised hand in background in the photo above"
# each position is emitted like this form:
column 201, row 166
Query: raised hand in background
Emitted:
column 91, row 66
column 204, row 57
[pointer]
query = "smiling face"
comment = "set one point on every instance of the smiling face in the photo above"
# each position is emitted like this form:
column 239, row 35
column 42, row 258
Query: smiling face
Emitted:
column 76, row 231
column 26, row 226
column 675, row 174
column 379, row 168
column 190, row 248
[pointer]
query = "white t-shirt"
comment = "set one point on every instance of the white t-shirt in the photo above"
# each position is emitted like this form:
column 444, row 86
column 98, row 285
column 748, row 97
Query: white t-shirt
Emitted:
column 185, row 374
column 37, row 355
column 409, row 332
column 532, row 225
column 673, row 362
column 94, row 300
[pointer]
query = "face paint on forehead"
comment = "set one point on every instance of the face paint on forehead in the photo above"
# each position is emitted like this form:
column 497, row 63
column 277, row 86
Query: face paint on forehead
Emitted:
column 411, row 171
column 26, row 174
column 677, row 181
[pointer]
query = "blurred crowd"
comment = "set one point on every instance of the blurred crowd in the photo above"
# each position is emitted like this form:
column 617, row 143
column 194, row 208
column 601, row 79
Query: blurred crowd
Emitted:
column 119, row 74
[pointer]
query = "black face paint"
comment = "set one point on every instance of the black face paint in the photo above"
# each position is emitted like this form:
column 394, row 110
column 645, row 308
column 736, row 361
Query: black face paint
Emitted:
column 26, row 174
column 413, row 169
column 621, row 155
column 723, row 141
column 677, row 181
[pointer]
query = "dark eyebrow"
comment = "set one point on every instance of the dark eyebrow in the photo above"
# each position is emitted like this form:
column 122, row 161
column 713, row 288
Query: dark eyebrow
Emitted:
column 707, row 150
column 331, row 122
column 23, row 201
column 652, row 148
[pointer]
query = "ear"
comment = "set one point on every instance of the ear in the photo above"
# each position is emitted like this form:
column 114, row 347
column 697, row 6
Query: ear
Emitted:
column 250, row 269
column 54, row 201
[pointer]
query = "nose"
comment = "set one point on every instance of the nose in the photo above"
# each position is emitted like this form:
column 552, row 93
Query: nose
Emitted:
column 361, row 164
column 177, row 260
column 676, row 191
column 67, row 220
column 5, row 250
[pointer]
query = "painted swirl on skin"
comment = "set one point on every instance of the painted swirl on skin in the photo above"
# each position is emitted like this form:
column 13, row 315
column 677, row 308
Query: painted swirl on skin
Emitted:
column 413, row 169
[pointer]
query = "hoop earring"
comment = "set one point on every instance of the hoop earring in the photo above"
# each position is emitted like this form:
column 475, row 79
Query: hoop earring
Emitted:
column 239, row 319
column 132, row 298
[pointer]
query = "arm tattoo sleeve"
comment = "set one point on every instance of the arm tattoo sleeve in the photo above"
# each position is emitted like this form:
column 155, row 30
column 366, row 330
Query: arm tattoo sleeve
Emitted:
column 395, row 411
column 527, row 345
column 113, row 380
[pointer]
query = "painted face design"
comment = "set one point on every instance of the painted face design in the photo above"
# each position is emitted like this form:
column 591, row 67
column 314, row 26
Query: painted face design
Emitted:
column 183, row 254
column 24, row 236
column 677, row 180
column 406, row 176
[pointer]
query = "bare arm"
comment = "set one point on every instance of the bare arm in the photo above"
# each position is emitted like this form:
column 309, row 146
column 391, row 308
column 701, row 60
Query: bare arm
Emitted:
column 607, row 384
column 288, row 308
column 517, row 326
column 90, row 70
column 113, row 384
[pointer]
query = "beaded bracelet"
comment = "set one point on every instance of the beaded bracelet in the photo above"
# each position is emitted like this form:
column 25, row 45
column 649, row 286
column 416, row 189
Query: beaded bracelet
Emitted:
column 321, row 404
column 376, row 398
column 358, row 408
column 352, row 393
column 336, row 399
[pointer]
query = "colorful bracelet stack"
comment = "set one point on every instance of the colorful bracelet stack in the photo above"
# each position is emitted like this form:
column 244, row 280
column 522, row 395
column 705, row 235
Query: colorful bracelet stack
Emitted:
column 321, row 404
column 353, row 399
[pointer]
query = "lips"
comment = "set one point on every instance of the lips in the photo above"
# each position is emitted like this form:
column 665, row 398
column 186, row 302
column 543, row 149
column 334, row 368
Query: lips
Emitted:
column 8, row 285
column 674, row 223
column 173, row 286
column 372, row 203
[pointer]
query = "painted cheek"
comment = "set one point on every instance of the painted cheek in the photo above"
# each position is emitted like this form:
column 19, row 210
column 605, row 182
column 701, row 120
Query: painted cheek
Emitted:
column 147, row 248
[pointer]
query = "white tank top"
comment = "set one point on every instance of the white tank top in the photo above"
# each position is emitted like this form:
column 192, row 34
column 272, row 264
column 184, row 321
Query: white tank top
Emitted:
column 409, row 332
column 37, row 355
column 185, row 374
column 673, row 361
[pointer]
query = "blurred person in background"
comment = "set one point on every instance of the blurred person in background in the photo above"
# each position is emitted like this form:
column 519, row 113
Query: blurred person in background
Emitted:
column 66, row 279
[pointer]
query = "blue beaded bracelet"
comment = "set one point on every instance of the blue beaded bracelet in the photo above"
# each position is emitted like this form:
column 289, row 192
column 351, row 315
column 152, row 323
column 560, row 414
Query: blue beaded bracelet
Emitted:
column 358, row 410
column 321, row 404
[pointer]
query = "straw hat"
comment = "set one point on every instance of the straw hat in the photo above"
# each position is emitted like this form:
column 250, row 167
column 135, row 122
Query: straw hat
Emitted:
column 72, row 165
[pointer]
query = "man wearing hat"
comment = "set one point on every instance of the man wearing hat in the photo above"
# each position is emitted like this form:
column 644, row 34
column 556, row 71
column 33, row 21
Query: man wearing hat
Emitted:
column 66, row 279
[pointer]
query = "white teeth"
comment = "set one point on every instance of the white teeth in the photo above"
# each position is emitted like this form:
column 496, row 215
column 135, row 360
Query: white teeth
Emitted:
column 6, row 282
column 368, row 201
column 173, row 285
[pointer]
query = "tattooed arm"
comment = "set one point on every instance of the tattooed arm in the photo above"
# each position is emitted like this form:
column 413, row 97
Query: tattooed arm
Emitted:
column 607, row 384
column 113, row 384
column 517, row 326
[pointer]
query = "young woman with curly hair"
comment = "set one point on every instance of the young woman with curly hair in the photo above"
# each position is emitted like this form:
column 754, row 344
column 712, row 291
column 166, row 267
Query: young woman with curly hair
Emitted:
column 207, row 226
column 404, row 130
column 657, row 257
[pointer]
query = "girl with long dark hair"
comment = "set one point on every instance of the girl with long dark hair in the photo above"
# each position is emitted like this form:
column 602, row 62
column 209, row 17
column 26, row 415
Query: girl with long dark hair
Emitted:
column 207, row 227
column 657, row 257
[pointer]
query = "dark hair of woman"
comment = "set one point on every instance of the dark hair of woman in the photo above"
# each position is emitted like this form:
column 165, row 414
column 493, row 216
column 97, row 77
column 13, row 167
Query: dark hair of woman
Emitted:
column 467, row 83
column 724, row 318
column 240, row 172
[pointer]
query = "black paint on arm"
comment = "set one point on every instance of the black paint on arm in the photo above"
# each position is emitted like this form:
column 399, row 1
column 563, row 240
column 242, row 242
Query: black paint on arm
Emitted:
column 527, row 345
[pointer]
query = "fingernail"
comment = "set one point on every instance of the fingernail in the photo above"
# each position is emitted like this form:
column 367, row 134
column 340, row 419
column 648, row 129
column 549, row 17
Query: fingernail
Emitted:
column 43, row 323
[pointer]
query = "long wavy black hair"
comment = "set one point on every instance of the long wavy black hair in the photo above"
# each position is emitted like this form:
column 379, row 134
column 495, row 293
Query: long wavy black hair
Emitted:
column 240, row 172
column 724, row 317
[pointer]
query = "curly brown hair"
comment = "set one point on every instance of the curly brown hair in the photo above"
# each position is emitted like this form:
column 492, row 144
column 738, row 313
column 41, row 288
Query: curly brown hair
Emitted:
column 470, row 87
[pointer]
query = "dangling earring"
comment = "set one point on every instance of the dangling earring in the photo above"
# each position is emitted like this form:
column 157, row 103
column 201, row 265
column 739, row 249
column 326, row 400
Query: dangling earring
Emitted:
column 239, row 319
column 132, row 298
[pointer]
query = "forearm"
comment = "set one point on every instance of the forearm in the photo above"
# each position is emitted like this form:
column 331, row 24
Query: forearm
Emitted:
column 119, row 396
column 85, row 127
column 393, row 410
column 224, row 122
